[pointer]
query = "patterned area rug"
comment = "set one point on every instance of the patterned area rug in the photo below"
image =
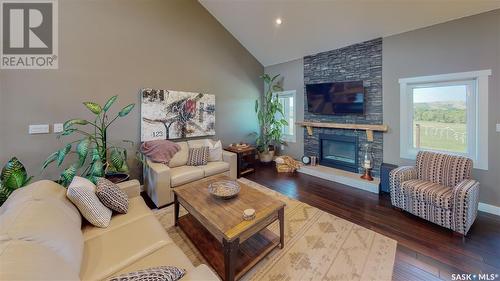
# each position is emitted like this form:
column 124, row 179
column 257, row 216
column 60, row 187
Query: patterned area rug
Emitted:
column 318, row 246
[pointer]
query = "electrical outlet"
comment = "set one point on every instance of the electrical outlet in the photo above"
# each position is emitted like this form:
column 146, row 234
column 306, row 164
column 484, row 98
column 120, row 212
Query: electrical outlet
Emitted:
column 58, row 127
column 498, row 128
column 38, row 129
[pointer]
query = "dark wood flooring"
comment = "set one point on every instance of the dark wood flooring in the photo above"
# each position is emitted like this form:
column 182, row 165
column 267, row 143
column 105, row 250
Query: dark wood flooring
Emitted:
column 425, row 251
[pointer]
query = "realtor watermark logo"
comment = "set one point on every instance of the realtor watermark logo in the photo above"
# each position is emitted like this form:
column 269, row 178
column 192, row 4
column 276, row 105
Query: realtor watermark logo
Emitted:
column 29, row 33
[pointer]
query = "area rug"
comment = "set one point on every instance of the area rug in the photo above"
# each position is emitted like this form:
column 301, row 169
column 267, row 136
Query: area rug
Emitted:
column 318, row 246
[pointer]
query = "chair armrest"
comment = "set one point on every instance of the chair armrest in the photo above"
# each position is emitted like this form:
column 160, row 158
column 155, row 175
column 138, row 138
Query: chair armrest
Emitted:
column 465, row 204
column 396, row 178
column 232, row 159
column 157, row 183
column 131, row 187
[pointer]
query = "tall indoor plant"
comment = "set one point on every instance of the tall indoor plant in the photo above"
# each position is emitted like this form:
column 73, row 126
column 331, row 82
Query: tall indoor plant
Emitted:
column 271, row 119
column 13, row 176
column 104, row 157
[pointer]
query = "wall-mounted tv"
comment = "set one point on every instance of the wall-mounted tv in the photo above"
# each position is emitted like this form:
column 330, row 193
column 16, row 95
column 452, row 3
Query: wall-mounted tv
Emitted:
column 337, row 98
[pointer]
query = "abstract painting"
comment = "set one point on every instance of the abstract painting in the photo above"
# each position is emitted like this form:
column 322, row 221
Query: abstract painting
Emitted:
column 167, row 114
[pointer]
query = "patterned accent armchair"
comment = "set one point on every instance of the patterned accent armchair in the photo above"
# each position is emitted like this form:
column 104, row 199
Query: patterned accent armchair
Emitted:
column 439, row 189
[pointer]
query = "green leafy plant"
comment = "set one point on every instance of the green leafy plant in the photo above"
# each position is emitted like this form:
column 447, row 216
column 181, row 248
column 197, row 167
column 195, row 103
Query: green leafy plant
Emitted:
column 13, row 176
column 270, row 114
column 96, row 156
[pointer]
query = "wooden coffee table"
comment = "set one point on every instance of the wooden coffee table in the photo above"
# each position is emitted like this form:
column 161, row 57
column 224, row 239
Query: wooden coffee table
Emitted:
column 216, row 227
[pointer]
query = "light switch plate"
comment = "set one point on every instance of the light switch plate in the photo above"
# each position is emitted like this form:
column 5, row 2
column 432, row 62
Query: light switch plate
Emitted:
column 498, row 128
column 38, row 129
column 58, row 127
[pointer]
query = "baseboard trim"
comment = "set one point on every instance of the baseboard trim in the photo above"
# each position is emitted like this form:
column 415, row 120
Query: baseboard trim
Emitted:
column 487, row 208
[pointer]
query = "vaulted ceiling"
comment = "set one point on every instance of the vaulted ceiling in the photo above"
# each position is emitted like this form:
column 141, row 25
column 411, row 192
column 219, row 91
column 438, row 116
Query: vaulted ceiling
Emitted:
column 310, row 26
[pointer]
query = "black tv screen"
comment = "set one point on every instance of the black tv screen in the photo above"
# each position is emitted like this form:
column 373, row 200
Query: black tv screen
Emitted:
column 338, row 98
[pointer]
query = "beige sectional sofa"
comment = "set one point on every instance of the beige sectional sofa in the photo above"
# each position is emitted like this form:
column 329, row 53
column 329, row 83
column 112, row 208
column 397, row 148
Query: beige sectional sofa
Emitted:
column 159, row 179
column 42, row 238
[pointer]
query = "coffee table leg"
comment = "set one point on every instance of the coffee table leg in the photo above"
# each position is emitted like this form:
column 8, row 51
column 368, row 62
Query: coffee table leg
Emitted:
column 176, row 210
column 230, row 255
column 281, row 218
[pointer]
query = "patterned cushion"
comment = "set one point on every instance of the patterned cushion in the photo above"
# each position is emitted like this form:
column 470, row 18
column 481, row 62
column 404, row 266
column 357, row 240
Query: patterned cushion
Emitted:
column 443, row 168
column 112, row 196
column 431, row 193
column 161, row 273
column 198, row 156
column 81, row 192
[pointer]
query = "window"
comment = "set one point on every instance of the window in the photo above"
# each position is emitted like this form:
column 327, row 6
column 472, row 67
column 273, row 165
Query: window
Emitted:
column 447, row 113
column 287, row 100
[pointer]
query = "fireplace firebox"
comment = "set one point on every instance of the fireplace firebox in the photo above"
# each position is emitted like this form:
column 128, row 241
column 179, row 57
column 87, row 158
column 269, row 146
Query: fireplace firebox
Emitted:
column 338, row 151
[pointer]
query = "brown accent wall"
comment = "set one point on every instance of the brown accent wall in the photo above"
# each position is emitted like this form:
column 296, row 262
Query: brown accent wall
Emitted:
column 118, row 47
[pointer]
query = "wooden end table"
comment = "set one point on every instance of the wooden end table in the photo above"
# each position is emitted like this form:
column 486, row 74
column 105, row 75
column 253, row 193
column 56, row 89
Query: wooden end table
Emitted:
column 216, row 227
column 246, row 159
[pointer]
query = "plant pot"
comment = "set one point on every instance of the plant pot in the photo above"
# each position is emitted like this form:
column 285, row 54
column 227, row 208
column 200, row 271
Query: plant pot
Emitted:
column 266, row 157
column 117, row 177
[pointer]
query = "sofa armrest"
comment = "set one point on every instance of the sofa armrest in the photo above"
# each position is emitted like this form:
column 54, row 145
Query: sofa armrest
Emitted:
column 131, row 187
column 157, row 183
column 232, row 159
column 465, row 204
column 200, row 273
column 396, row 178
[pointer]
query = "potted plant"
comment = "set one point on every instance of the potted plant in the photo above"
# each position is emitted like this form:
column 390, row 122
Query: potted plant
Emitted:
column 13, row 176
column 106, row 159
column 271, row 119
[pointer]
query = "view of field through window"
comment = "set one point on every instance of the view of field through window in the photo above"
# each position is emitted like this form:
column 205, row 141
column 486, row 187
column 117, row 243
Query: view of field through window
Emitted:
column 440, row 118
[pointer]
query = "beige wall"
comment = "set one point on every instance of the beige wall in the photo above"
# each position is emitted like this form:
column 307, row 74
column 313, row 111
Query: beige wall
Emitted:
column 292, row 75
column 467, row 44
column 118, row 47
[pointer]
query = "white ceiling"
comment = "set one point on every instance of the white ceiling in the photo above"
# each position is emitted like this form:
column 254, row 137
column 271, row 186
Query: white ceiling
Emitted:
column 311, row 26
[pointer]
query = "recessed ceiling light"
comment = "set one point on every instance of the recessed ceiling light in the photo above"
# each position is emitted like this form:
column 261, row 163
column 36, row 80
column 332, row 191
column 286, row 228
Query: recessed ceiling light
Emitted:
column 278, row 21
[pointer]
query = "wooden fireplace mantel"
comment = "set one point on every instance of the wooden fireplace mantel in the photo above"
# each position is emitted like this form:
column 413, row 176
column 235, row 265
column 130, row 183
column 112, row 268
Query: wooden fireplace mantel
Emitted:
column 365, row 127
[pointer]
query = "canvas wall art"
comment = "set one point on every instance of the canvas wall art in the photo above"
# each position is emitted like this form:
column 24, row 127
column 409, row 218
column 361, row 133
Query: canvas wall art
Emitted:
column 167, row 114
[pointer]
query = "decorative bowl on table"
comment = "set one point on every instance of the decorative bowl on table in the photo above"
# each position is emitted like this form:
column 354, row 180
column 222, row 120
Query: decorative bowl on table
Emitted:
column 224, row 189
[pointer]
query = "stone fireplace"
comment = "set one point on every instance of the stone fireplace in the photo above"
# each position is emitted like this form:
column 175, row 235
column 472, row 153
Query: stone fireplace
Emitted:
column 339, row 152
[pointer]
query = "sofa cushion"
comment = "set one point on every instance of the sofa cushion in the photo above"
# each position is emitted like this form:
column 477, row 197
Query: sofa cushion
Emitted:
column 169, row 254
column 181, row 157
column 429, row 192
column 213, row 168
column 28, row 260
column 198, row 156
column 137, row 209
column 48, row 222
column 112, row 196
column 163, row 273
column 106, row 254
column 201, row 272
column 184, row 174
column 81, row 192
column 442, row 168
column 197, row 143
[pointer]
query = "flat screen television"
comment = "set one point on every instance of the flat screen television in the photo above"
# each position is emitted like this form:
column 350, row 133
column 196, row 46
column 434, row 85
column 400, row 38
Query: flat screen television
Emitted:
column 337, row 98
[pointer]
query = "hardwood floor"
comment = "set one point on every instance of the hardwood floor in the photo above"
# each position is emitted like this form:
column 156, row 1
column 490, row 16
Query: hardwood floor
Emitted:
column 425, row 251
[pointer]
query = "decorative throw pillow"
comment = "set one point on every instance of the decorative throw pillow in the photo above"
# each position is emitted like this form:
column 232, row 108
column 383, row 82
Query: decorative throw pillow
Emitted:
column 198, row 156
column 81, row 192
column 214, row 150
column 112, row 196
column 160, row 273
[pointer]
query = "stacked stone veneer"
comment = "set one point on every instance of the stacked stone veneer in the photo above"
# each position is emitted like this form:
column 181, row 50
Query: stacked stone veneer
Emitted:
column 359, row 62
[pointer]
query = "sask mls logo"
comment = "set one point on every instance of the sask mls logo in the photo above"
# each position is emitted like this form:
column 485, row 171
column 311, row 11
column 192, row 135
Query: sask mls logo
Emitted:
column 29, row 35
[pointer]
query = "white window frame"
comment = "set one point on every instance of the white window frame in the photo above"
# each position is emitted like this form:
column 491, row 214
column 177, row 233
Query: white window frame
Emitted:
column 293, row 94
column 477, row 112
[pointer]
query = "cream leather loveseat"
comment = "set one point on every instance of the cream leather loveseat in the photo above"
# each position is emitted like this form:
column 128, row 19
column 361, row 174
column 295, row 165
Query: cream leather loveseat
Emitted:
column 42, row 238
column 159, row 179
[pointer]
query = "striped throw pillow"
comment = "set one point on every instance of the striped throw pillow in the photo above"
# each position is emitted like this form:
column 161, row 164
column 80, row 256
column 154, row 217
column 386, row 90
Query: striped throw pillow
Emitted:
column 112, row 196
column 81, row 192
column 198, row 156
column 160, row 273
